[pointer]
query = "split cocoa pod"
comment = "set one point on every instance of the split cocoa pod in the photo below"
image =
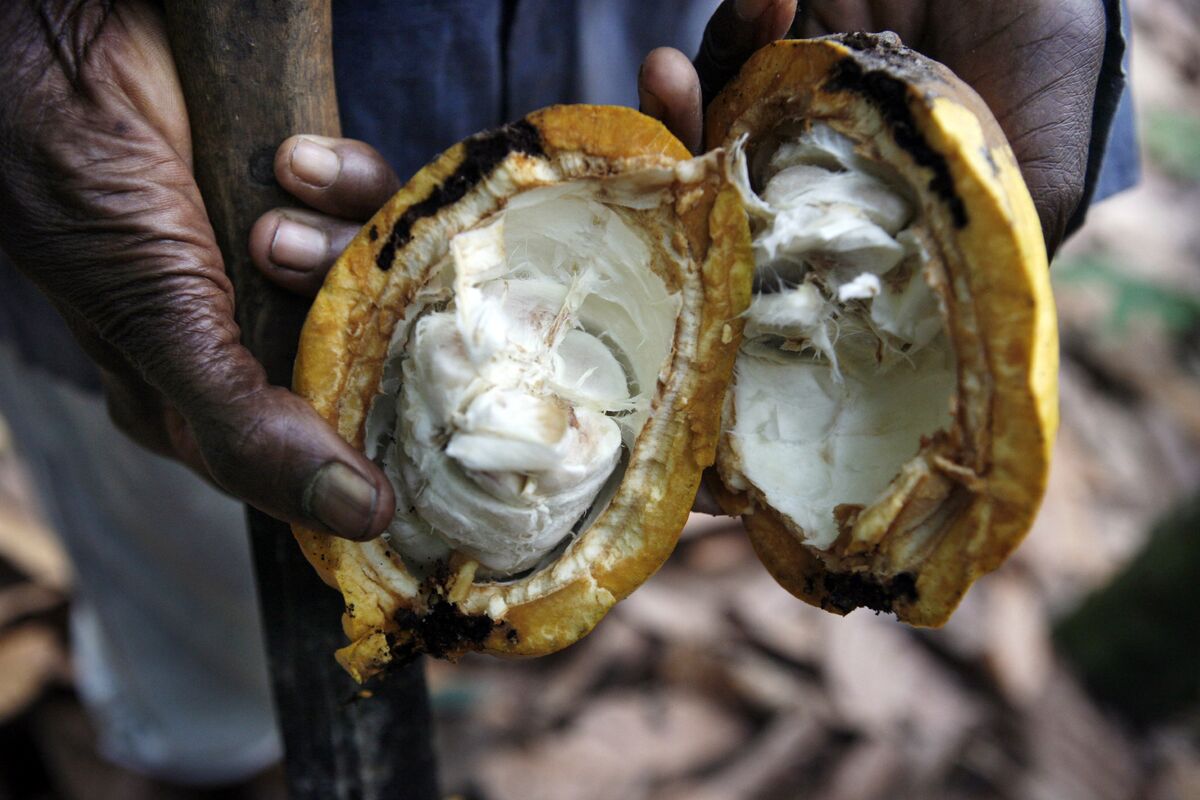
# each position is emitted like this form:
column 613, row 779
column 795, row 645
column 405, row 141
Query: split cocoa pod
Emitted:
column 553, row 330
column 534, row 338
column 888, row 432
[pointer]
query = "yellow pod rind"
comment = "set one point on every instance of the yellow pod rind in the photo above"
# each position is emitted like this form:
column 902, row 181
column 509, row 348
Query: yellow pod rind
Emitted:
column 994, row 282
column 390, row 612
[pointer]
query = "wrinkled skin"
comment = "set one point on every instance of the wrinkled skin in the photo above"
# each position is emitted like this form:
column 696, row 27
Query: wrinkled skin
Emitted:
column 102, row 212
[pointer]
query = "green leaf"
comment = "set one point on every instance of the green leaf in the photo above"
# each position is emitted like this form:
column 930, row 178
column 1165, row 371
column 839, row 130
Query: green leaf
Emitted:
column 1132, row 297
column 1172, row 140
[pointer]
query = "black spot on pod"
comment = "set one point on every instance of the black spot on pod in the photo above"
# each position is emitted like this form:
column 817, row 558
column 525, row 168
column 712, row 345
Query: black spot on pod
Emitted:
column 890, row 96
column 847, row 591
column 442, row 632
column 483, row 153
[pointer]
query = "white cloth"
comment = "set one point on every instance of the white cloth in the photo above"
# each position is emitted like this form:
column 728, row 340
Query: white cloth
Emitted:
column 165, row 630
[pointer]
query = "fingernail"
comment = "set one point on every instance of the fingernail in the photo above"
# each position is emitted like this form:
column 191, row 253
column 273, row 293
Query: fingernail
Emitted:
column 750, row 10
column 298, row 246
column 650, row 105
column 341, row 500
column 315, row 163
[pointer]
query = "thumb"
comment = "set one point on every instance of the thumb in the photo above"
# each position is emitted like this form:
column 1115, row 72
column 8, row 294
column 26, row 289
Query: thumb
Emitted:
column 260, row 443
column 165, row 310
column 738, row 28
column 669, row 92
column 268, row 447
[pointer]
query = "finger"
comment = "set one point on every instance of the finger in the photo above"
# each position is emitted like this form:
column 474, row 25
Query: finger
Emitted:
column 343, row 177
column 669, row 91
column 295, row 248
column 736, row 30
column 260, row 443
column 271, row 449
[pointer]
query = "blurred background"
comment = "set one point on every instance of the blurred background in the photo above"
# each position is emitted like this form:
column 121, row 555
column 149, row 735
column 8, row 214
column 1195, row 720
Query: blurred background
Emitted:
column 1071, row 673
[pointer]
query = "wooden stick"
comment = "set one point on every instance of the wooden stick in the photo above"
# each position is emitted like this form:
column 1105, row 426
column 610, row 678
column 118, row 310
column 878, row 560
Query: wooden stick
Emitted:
column 255, row 72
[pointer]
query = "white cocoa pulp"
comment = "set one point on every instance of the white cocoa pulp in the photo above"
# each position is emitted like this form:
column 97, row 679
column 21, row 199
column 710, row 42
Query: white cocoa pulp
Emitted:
column 522, row 373
column 845, row 365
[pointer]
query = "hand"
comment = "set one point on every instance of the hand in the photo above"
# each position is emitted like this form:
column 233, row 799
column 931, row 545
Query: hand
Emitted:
column 101, row 211
column 1034, row 62
column 343, row 182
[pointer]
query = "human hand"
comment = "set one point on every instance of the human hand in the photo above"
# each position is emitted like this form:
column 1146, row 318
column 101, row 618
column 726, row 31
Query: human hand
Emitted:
column 1034, row 62
column 342, row 183
column 101, row 211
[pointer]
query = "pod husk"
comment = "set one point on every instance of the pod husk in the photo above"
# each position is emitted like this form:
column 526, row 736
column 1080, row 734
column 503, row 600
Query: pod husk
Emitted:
column 990, row 466
column 391, row 614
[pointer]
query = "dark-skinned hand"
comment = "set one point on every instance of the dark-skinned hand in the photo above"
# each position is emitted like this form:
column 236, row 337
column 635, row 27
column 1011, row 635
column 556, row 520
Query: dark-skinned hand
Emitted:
column 1034, row 62
column 101, row 211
